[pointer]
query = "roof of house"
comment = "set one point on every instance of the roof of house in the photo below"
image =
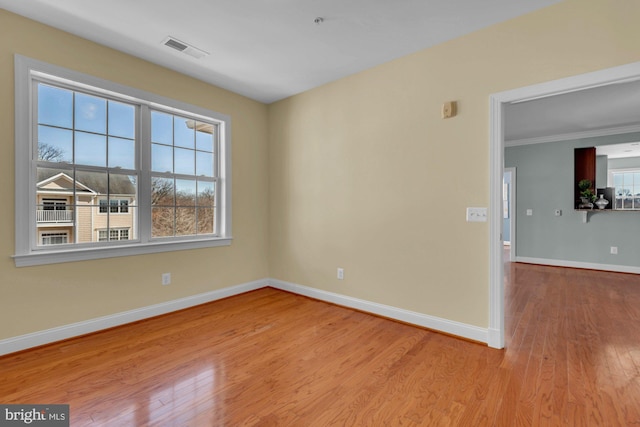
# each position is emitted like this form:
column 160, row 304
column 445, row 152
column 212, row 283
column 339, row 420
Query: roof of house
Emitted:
column 95, row 181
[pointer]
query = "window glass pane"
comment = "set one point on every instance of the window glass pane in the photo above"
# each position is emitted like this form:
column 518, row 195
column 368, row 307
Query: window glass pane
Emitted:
column 85, row 224
column 90, row 149
column 53, row 211
column 162, row 192
column 204, row 136
column 55, row 144
column 617, row 181
column 89, row 183
column 205, row 194
column 125, row 221
column 121, row 119
column 204, row 163
column 185, row 192
column 185, row 161
column 161, row 128
column 162, row 222
column 205, row 220
column 185, row 221
column 91, row 113
column 122, row 189
column 161, row 158
column 54, row 178
column 55, row 106
column 184, row 132
column 627, row 186
column 121, row 153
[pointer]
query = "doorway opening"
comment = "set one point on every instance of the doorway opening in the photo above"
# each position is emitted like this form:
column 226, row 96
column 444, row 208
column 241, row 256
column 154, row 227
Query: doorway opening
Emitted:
column 621, row 74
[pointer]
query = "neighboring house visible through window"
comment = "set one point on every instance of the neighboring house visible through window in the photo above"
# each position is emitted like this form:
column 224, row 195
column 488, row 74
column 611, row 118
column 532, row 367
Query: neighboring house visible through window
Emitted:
column 112, row 163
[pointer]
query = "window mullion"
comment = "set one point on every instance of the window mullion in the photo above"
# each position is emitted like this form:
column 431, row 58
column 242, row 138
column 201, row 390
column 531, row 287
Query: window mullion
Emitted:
column 143, row 135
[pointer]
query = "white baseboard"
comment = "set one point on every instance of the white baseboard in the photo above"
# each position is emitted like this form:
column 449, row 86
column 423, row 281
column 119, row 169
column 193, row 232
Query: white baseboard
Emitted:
column 23, row 342
column 578, row 264
column 496, row 340
column 47, row 336
column 436, row 323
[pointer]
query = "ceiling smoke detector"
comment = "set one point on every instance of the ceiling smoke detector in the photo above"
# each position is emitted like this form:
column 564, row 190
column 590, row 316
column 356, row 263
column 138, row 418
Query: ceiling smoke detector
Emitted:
column 183, row 47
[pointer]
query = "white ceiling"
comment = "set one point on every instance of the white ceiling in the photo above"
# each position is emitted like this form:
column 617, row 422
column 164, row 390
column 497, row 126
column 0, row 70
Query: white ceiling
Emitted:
column 619, row 151
column 591, row 111
column 271, row 49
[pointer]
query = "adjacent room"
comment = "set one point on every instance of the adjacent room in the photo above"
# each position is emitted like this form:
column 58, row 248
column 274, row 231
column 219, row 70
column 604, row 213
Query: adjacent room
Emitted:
column 294, row 213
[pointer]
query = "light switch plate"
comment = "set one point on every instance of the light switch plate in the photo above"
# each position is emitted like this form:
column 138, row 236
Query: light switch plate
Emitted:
column 476, row 214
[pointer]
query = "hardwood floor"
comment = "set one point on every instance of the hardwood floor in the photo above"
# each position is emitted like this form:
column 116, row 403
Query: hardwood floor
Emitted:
column 271, row 358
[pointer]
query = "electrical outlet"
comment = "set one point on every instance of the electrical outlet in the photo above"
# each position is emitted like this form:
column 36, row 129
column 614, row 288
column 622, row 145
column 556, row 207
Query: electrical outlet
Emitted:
column 166, row 278
column 340, row 273
column 558, row 212
column 614, row 250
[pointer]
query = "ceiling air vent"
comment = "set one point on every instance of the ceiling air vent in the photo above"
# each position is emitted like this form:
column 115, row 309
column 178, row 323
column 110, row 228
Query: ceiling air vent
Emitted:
column 183, row 47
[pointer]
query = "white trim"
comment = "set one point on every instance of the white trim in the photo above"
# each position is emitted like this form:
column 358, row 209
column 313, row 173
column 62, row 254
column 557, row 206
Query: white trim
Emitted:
column 48, row 336
column 436, row 323
column 126, row 249
column 579, row 264
column 512, row 214
column 23, row 342
column 573, row 135
column 496, row 165
column 496, row 248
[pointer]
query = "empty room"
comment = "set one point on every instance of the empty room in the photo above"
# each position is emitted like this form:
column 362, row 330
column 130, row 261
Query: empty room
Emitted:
column 296, row 214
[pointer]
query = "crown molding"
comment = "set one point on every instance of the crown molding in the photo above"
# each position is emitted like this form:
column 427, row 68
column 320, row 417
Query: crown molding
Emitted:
column 574, row 135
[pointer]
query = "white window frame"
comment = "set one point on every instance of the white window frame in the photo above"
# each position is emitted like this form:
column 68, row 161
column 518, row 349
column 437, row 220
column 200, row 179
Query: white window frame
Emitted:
column 27, row 250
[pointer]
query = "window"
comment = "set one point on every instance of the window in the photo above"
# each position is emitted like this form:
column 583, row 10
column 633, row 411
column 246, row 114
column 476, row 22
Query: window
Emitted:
column 113, row 234
column 122, row 164
column 113, row 206
column 54, row 204
column 54, row 238
column 183, row 177
column 627, row 188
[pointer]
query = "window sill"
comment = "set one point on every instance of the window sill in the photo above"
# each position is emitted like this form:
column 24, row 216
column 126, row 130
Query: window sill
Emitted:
column 60, row 256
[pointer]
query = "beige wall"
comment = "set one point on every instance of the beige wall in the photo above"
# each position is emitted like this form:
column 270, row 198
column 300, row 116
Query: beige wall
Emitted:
column 365, row 175
column 38, row 298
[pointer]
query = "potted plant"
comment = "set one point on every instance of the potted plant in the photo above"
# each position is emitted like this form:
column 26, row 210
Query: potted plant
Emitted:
column 587, row 196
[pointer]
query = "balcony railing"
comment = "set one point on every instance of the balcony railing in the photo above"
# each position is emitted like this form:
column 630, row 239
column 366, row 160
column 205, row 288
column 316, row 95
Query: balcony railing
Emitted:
column 54, row 216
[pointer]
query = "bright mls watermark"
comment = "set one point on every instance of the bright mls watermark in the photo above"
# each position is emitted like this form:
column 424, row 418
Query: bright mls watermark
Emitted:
column 34, row 415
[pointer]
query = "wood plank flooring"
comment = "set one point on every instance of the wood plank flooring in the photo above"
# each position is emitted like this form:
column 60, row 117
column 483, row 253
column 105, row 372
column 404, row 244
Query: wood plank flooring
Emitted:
column 270, row 358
